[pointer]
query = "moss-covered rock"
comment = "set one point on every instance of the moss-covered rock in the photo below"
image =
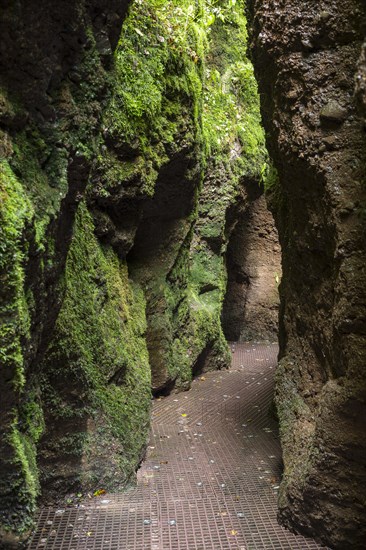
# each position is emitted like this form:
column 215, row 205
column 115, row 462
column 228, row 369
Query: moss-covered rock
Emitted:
column 187, row 122
column 19, row 481
column 315, row 135
column 49, row 130
column 95, row 377
column 120, row 168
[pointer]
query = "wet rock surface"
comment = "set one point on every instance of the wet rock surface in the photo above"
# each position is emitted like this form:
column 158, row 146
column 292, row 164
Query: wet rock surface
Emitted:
column 306, row 60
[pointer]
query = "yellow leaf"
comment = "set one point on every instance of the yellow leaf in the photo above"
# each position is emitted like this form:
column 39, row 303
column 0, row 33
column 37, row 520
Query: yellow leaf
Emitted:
column 234, row 532
column 99, row 492
column 184, row 414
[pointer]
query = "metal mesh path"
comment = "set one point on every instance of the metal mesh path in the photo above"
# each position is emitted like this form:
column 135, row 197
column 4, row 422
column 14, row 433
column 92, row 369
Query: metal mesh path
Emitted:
column 210, row 478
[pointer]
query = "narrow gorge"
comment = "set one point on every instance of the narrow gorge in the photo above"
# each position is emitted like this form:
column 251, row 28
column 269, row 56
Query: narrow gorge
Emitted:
column 175, row 176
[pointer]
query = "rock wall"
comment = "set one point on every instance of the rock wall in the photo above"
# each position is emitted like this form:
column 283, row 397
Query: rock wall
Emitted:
column 123, row 149
column 306, row 58
column 55, row 60
column 253, row 261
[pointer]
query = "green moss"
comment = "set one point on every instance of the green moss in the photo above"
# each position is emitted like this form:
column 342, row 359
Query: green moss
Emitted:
column 19, row 484
column 159, row 48
column 270, row 179
column 24, row 458
column 157, row 93
column 96, row 370
column 234, row 149
column 31, row 415
column 231, row 115
column 30, row 152
column 16, row 214
column 178, row 59
column 187, row 64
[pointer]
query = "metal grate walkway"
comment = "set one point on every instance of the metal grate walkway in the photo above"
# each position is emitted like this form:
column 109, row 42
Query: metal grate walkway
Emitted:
column 210, row 478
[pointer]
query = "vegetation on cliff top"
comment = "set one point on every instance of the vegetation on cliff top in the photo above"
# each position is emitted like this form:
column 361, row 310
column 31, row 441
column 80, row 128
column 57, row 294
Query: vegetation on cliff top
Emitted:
column 179, row 60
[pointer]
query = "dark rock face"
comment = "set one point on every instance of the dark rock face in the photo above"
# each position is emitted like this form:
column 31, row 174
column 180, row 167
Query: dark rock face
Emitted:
column 253, row 261
column 45, row 42
column 306, row 59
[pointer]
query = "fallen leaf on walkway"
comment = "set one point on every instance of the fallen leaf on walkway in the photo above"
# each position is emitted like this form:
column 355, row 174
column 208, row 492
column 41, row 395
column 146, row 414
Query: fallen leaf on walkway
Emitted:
column 99, row 492
column 184, row 414
column 234, row 533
